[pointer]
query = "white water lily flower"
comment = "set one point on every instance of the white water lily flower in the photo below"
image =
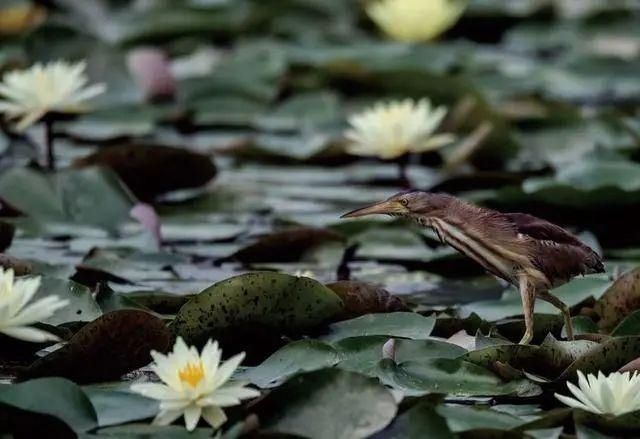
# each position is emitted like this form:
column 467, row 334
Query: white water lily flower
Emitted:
column 16, row 315
column 390, row 130
column 59, row 86
column 614, row 394
column 415, row 20
column 194, row 385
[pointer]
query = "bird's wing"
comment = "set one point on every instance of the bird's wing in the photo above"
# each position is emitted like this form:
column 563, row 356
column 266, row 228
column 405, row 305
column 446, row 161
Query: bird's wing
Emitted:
column 542, row 230
column 559, row 254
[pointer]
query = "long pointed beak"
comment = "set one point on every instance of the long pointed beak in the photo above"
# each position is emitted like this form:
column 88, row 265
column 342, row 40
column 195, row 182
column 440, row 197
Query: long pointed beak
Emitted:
column 383, row 207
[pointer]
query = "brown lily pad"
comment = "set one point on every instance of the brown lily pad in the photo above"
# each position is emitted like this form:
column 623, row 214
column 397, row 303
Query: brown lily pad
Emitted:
column 361, row 298
column 620, row 300
column 288, row 245
column 7, row 230
column 20, row 268
column 151, row 170
column 105, row 349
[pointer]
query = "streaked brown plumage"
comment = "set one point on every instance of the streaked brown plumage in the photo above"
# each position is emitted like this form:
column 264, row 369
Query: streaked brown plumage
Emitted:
column 528, row 252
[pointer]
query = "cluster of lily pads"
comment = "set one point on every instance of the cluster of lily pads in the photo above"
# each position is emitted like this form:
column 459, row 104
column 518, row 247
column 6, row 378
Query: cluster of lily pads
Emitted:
column 172, row 177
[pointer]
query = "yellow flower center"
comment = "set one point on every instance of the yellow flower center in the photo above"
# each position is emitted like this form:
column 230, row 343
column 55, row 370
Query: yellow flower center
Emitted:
column 192, row 373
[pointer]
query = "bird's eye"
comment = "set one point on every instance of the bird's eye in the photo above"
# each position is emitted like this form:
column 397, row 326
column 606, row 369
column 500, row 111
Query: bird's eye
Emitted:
column 404, row 202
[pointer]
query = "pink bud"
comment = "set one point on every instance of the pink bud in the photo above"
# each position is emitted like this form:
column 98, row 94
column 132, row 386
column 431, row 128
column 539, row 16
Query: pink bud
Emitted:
column 146, row 215
column 151, row 69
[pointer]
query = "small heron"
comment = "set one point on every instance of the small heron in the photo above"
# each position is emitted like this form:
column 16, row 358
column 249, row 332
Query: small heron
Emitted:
column 528, row 252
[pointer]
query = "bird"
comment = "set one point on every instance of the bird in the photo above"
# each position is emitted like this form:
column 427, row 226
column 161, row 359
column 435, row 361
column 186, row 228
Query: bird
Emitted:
column 530, row 253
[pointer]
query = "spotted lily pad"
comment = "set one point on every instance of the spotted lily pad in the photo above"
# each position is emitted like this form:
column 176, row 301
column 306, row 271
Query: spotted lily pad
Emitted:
column 256, row 302
column 620, row 300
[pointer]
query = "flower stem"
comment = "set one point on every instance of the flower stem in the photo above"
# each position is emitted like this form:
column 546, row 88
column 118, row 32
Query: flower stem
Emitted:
column 403, row 177
column 48, row 140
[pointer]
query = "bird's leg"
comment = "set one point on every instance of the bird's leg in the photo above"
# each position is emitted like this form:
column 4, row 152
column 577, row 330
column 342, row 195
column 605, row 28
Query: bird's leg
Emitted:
column 548, row 297
column 528, row 295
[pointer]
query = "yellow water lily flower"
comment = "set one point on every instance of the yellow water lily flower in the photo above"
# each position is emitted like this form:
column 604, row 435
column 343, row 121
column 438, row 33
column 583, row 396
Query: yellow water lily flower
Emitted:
column 55, row 87
column 16, row 314
column 194, row 385
column 415, row 20
column 614, row 394
column 392, row 129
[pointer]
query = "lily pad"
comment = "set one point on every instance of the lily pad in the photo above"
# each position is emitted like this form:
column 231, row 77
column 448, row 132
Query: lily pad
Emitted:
column 606, row 357
column 620, row 300
column 55, row 397
column 115, row 407
column 150, row 170
column 629, row 326
column 418, row 422
column 288, row 245
column 451, row 376
column 299, row 356
column 256, row 302
column 106, row 348
column 363, row 298
column 396, row 324
column 328, row 404
column 84, row 196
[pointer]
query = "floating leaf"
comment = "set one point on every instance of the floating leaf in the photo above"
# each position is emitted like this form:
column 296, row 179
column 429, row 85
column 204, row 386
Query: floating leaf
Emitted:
column 288, row 245
column 571, row 293
column 620, row 300
column 82, row 306
column 254, row 303
column 87, row 196
column 106, row 348
column 55, row 397
column 452, row 376
column 606, row 357
column 299, row 356
column 396, row 324
column 151, row 170
column 362, row 298
column 629, row 326
column 461, row 418
column 115, row 407
column 329, row 403
column 362, row 354
column 418, row 422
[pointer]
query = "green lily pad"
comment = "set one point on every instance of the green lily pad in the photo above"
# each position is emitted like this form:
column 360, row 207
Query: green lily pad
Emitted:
column 84, row 196
column 571, row 293
column 299, row 356
column 463, row 418
column 328, row 404
column 362, row 354
column 452, row 376
column 256, row 302
column 395, row 324
column 82, row 306
column 629, row 326
column 115, row 407
column 420, row 421
column 55, row 397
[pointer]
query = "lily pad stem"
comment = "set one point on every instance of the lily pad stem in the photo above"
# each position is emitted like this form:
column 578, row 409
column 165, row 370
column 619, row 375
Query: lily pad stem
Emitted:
column 48, row 140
